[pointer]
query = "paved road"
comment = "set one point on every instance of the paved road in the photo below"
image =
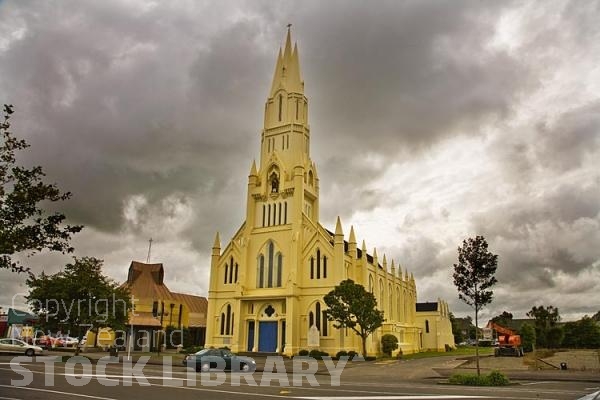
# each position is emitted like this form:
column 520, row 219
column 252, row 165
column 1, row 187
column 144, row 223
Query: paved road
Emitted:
column 68, row 381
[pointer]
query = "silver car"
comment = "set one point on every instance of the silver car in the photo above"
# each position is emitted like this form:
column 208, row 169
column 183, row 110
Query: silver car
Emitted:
column 17, row 346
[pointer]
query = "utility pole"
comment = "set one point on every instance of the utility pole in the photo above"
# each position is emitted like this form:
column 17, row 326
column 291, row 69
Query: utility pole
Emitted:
column 149, row 250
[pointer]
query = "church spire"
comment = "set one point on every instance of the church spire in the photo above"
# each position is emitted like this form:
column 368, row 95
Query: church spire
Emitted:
column 287, row 69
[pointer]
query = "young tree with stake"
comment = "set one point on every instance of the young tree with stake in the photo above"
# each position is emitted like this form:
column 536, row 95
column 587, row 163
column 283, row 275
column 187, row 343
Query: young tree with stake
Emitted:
column 474, row 276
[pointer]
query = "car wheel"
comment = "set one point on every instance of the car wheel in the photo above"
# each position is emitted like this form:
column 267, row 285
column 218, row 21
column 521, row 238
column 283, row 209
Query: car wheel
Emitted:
column 29, row 352
column 244, row 367
column 205, row 367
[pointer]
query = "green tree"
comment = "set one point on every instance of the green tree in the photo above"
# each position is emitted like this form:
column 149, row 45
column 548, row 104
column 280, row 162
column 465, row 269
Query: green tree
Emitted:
column 351, row 306
column 456, row 329
column 389, row 343
column 582, row 334
column 474, row 276
column 554, row 336
column 527, row 334
column 503, row 319
column 78, row 298
column 545, row 318
column 25, row 227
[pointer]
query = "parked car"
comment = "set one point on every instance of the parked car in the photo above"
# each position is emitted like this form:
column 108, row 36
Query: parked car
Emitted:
column 207, row 359
column 46, row 341
column 67, row 341
column 17, row 346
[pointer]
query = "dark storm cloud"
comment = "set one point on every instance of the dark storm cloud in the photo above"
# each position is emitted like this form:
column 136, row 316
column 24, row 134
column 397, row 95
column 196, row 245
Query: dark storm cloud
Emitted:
column 565, row 144
column 164, row 103
column 537, row 237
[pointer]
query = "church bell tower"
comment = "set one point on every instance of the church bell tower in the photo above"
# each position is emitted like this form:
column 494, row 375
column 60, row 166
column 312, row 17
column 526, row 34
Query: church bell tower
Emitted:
column 285, row 186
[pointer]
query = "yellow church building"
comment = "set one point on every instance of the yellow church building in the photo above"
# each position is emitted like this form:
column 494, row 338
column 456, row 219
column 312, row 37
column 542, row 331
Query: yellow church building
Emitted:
column 267, row 284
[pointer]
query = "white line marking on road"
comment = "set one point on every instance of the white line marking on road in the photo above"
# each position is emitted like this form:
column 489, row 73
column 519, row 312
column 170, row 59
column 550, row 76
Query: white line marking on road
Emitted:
column 9, row 398
column 534, row 383
column 392, row 397
column 58, row 392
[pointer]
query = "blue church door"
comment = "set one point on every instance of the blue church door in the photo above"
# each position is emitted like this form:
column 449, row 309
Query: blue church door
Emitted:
column 267, row 336
column 250, row 335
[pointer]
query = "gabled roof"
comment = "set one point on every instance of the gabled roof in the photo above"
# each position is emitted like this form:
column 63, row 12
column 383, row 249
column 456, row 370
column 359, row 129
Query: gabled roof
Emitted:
column 146, row 281
column 20, row 317
column 358, row 250
column 427, row 307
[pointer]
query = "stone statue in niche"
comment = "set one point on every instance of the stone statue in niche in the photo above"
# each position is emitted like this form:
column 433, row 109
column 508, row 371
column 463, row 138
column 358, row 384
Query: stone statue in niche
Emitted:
column 274, row 183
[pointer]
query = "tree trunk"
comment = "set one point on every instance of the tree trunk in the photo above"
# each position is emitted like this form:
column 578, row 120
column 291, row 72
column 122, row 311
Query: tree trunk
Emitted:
column 477, row 340
column 364, row 346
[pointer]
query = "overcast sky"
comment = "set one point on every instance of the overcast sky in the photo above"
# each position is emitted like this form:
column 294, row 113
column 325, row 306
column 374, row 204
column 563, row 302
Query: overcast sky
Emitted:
column 431, row 122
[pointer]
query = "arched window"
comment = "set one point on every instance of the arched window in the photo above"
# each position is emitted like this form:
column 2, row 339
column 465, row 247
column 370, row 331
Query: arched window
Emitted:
column 235, row 277
column 318, row 315
column 279, row 213
column 261, row 271
column 280, row 105
column 279, row 269
column 228, row 321
column 397, row 304
column 226, row 272
column 285, row 212
column 318, row 264
column 271, row 274
column 270, row 266
column 324, row 266
column 390, row 300
column 231, row 271
column 312, row 268
column 318, row 318
column 426, row 326
column 381, row 293
column 370, row 283
column 222, row 323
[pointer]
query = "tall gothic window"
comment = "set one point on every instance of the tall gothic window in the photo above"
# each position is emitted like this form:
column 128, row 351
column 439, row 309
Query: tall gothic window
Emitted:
column 271, row 274
column 261, row 271
column 318, row 266
column 280, row 105
column 318, row 318
column 227, row 321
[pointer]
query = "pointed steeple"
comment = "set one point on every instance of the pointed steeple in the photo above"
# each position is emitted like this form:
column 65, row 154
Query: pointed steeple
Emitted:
column 217, row 243
column 253, row 171
column 364, row 249
column 352, row 239
column 338, row 228
column 287, row 70
column 384, row 262
column 277, row 74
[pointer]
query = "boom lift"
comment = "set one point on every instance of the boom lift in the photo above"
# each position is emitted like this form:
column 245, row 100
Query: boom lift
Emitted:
column 509, row 342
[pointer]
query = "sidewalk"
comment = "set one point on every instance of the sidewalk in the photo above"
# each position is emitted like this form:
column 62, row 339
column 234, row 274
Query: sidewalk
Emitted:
column 541, row 375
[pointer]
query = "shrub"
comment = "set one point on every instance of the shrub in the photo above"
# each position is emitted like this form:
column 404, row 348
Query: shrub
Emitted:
column 352, row 354
column 389, row 343
column 341, row 353
column 191, row 349
column 318, row 354
column 303, row 352
column 370, row 358
column 495, row 378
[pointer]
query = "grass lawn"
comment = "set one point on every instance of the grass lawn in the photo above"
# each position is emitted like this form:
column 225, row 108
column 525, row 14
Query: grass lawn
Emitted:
column 460, row 351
